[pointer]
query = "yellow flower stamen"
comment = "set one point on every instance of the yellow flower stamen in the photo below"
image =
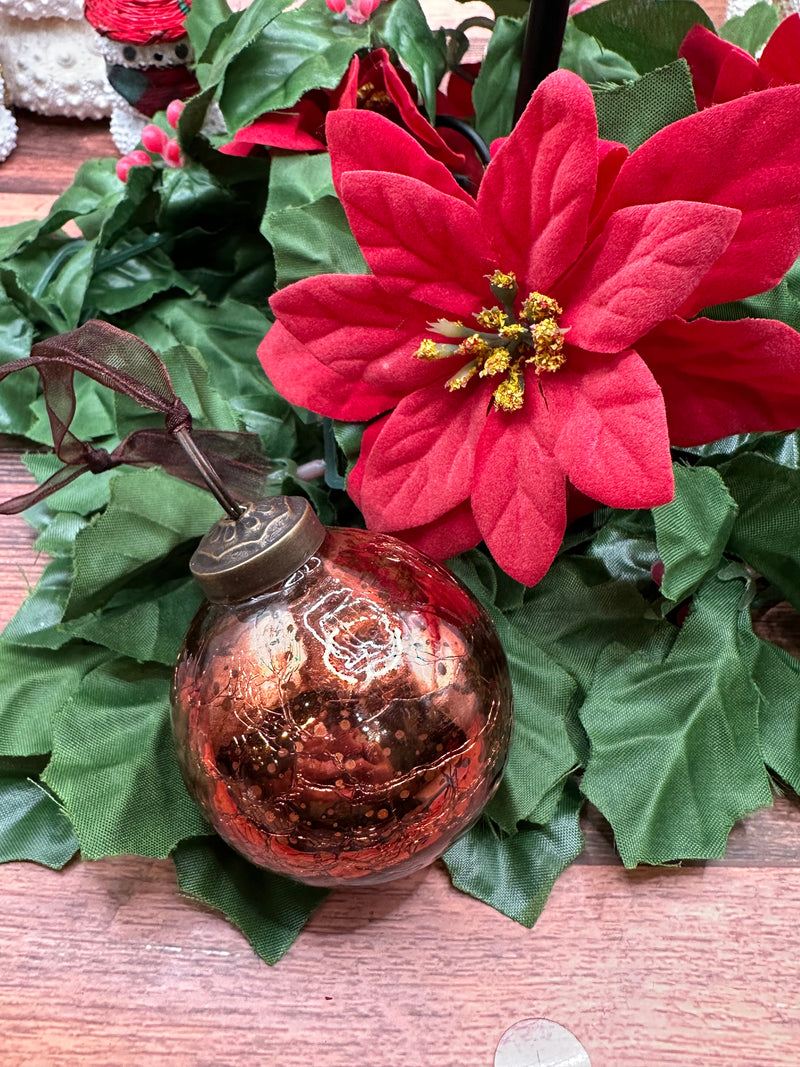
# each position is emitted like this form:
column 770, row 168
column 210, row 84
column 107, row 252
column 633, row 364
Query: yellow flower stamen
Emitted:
column 492, row 318
column 460, row 379
column 548, row 347
column 496, row 363
column 509, row 395
column 500, row 280
column 513, row 331
column 510, row 341
column 537, row 307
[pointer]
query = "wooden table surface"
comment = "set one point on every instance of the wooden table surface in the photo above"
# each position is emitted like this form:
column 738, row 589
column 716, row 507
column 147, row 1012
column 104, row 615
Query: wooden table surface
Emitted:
column 103, row 964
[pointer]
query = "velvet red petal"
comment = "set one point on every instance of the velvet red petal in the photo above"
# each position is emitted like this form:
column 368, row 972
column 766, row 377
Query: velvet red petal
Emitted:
column 420, row 242
column 357, row 329
column 306, row 382
column 519, row 494
column 539, row 188
column 706, row 53
column 780, row 60
column 421, row 465
column 453, row 533
column 738, row 75
column 365, row 140
column 743, row 154
column 644, row 264
column 611, row 156
column 415, row 121
column 613, row 442
column 722, row 378
column 286, row 129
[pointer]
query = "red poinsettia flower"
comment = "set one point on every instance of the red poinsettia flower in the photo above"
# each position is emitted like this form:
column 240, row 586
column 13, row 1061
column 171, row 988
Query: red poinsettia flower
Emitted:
column 371, row 83
column 722, row 72
column 535, row 338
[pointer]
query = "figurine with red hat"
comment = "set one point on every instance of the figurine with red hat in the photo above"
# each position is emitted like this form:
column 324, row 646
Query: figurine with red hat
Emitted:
column 148, row 57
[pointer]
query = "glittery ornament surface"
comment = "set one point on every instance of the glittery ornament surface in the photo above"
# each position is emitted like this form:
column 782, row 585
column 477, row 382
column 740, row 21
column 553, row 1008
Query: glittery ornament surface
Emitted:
column 349, row 725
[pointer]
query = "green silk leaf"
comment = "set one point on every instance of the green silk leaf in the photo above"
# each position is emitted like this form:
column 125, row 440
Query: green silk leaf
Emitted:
column 402, row 25
column 141, row 627
column 230, row 39
column 693, row 529
column 648, row 33
column 18, row 391
column 515, row 874
column 777, row 678
column 576, row 611
column 202, row 20
column 304, row 48
column 752, row 30
column 299, row 178
column 633, row 112
column 312, row 239
column 137, row 270
column 34, row 685
column 32, row 824
column 494, row 93
column 542, row 751
column 675, row 751
column 625, row 544
column 113, row 764
column 269, row 910
column 585, row 56
column 149, row 515
column 765, row 531
column 38, row 621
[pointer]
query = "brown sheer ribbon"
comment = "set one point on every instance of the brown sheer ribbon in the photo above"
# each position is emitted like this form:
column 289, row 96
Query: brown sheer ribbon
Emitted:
column 229, row 464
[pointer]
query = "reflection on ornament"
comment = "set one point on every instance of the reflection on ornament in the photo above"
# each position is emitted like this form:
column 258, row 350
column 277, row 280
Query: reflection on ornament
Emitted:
column 347, row 724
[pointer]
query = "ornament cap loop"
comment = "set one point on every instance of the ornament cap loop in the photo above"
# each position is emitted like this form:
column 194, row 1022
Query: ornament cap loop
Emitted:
column 241, row 558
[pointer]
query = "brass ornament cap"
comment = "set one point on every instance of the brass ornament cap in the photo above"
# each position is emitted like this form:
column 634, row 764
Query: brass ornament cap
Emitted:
column 239, row 559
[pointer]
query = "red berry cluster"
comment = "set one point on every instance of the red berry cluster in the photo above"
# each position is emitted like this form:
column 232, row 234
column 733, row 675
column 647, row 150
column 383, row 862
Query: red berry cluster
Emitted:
column 157, row 143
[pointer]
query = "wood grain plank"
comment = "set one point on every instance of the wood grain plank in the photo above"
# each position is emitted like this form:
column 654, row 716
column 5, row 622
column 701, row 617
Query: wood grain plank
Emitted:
column 49, row 151
column 103, row 966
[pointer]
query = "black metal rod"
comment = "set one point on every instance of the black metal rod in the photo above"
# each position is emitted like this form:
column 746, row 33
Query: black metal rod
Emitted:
column 544, row 36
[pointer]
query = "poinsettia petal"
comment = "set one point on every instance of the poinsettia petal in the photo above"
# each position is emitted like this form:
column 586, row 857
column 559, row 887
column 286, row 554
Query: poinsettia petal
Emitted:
column 613, row 442
column 739, row 75
column 290, row 129
column 780, row 60
column 644, row 264
column 519, row 492
column 448, row 536
column 419, row 241
column 722, row 378
column 421, row 465
column 539, row 188
column 365, row 140
column 351, row 324
column 706, row 52
column 744, row 154
column 415, row 121
column 305, row 381
column 611, row 156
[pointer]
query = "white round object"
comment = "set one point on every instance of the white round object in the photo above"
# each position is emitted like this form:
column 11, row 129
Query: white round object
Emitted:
column 54, row 67
column 42, row 9
column 540, row 1043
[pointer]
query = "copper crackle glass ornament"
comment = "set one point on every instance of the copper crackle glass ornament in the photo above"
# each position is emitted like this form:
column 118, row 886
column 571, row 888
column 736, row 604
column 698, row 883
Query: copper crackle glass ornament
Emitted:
column 342, row 704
